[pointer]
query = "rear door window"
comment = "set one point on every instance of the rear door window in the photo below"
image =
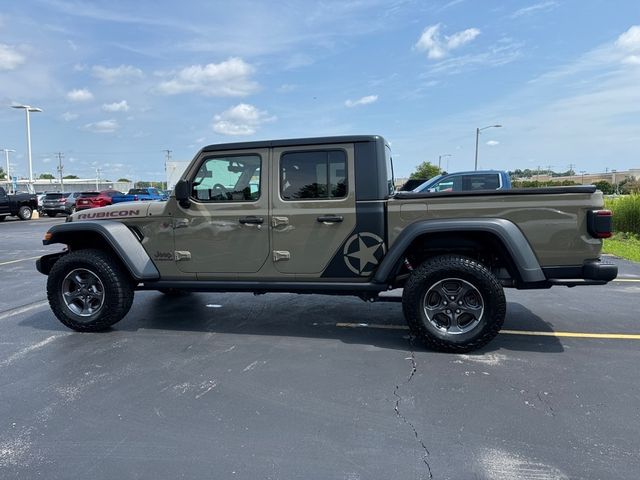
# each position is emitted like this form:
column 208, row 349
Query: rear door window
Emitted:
column 313, row 175
column 489, row 181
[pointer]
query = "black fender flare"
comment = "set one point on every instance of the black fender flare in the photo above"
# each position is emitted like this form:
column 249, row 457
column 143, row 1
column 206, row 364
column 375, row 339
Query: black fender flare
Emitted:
column 507, row 232
column 117, row 235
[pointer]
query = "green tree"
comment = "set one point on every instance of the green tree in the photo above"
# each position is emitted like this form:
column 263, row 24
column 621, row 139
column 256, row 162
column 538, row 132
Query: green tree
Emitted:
column 631, row 186
column 70, row 177
column 605, row 187
column 124, row 180
column 425, row 170
column 46, row 176
column 2, row 173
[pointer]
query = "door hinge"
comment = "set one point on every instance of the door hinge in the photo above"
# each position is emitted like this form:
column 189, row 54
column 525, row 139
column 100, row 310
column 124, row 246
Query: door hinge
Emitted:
column 278, row 221
column 281, row 255
column 181, row 255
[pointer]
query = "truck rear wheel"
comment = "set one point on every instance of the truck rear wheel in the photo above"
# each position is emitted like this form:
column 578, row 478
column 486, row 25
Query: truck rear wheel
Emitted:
column 453, row 303
column 24, row 213
column 88, row 290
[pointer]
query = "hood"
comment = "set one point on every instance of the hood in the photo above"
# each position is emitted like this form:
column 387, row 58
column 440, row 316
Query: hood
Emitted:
column 112, row 212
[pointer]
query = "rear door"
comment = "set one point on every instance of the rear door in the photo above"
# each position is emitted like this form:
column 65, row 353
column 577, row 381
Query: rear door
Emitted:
column 313, row 205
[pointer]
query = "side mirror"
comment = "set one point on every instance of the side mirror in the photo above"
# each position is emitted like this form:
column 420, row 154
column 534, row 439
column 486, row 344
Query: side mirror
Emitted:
column 183, row 193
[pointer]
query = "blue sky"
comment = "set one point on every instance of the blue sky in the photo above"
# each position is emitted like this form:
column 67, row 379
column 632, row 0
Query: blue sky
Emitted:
column 120, row 81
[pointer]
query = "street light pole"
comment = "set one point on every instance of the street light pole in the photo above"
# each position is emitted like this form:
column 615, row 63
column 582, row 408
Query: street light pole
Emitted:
column 478, row 130
column 28, row 109
column 6, row 154
column 440, row 157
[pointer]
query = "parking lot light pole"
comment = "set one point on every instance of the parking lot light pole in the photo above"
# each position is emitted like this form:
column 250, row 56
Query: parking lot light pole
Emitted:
column 440, row 157
column 8, row 171
column 478, row 130
column 28, row 109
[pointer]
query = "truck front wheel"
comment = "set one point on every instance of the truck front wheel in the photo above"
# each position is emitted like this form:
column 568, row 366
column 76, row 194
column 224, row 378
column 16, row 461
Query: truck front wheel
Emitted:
column 453, row 303
column 88, row 290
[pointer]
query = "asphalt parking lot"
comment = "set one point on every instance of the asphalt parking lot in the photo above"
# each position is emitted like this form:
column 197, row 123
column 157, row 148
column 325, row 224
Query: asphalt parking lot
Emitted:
column 284, row 386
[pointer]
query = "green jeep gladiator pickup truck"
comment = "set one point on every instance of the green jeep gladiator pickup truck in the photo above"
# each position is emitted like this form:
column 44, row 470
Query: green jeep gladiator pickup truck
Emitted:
column 320, row 215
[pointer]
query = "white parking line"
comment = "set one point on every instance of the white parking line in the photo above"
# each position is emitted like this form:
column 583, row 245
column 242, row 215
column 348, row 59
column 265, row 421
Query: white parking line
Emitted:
column 23, row 309
column 19, row 260
column 21, row 353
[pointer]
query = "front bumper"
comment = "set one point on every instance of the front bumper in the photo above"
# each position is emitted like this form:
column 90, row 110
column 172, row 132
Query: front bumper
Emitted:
column 44, row 263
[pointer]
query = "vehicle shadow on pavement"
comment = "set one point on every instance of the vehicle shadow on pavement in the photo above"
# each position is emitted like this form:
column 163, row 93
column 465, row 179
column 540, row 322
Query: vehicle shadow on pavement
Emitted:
column 307, row 316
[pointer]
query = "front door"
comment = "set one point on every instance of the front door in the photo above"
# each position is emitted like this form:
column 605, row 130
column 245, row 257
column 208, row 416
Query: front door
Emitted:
column 313, row 206
column 225, row 229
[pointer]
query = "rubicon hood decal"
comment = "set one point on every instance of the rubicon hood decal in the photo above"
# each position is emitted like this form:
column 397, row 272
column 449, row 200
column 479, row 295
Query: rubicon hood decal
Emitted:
column 131, row 212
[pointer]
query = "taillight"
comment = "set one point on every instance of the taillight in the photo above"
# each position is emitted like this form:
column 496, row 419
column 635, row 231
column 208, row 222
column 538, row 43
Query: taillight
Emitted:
column 600, row 223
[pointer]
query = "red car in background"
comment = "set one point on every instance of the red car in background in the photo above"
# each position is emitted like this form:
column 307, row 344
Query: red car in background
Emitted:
column 95, row 199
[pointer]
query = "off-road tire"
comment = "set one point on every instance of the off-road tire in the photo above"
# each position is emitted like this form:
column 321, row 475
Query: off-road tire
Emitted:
column 428, row 275
column 117, row 285
column 25, row 212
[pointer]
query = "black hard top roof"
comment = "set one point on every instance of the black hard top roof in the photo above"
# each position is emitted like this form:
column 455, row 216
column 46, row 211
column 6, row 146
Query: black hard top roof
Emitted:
column 292, row 142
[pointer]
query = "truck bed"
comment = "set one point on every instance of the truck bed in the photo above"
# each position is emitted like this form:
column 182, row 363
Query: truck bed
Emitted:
column 553, row 219
column 513, row 191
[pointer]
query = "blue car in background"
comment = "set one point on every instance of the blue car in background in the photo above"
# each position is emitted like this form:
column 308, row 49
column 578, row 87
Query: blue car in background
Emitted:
column 467, row 181
column 139, row 194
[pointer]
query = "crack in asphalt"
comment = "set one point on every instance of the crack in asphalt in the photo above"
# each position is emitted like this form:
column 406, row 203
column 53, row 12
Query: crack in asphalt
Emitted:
column 399, row 414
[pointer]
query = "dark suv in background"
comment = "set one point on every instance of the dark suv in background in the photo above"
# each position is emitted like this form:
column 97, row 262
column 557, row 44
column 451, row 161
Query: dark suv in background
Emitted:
column 55, row 203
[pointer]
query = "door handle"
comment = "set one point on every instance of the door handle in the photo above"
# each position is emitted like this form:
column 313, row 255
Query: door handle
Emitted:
column 251, row 220
column 330, row 218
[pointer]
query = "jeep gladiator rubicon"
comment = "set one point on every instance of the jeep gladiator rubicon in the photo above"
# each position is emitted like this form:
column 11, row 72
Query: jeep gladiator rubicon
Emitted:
column 320, row 215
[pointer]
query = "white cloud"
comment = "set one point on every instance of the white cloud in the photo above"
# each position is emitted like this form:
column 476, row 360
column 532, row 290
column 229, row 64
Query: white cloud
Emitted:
column 80, row 95
column 10, row 58
column 243, row 119
column 121, row 74
column 493, row 143
column 497, row 55
column 230, row 78
column 535, row 8
column 629, row 42
column 438, row 46
column 362, row 101
column 68, row 116
column 632, row 60
column 104, row 126
column 122, row 106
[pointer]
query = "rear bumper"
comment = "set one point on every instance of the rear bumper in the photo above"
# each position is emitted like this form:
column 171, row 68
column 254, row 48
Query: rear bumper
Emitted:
column 592, row 272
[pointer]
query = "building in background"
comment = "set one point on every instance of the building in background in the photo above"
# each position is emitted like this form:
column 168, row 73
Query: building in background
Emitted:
column 174, row 171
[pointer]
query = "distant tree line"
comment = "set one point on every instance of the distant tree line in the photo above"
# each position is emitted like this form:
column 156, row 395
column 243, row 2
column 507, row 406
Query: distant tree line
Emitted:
column 528, row 173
